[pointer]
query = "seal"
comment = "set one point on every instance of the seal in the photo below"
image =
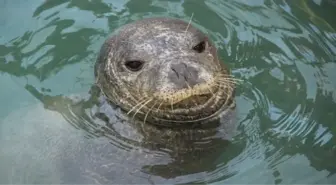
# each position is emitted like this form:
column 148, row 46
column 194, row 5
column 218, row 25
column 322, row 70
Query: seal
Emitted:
column 166, row 72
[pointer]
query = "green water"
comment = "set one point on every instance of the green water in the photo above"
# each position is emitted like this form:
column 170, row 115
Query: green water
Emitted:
column 285, row 51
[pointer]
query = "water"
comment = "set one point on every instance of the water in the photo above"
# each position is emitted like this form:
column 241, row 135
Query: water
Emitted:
column 285, row 51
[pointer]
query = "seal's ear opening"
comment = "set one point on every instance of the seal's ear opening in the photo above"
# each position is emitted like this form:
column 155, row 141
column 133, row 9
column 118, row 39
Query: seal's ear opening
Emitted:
column 134, row 65
column 200, row 47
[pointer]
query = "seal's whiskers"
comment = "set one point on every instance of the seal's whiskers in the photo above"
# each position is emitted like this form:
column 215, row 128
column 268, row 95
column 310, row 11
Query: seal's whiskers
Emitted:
column 141, row 107
column 208, row 86
column 194, row 101
column 229, row 81
column 225, row 84
column 189, row 22
column 136, row 106
column 232, row 79
column 159, row 106
column 229, row 76
column 149, row 112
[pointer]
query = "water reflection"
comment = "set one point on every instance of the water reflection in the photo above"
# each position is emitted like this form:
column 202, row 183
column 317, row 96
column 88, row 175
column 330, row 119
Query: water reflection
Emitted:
column 285, row 52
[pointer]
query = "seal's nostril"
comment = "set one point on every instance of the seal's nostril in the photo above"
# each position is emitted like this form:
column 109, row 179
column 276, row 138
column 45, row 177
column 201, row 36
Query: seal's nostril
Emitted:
column 183, row 75
column 185, row 78
column 177, row 74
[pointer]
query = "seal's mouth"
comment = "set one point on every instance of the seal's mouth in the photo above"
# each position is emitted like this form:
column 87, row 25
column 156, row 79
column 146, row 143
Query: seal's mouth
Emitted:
column 189, row 102
column 195, row 95
column 193, row 100
column 192, row 109
column 186, row 107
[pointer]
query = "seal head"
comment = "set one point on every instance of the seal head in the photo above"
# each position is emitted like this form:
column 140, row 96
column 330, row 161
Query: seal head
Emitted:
column 166, row 72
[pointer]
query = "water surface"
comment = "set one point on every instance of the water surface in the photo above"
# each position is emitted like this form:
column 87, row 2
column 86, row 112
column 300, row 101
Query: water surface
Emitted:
column 284, row 51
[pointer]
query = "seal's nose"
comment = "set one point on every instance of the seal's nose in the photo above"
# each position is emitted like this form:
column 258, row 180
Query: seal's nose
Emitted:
column 183, row 75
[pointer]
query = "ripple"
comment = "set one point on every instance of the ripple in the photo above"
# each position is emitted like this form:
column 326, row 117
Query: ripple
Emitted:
column 237, row 30
column 283, row 51
column 296, row 124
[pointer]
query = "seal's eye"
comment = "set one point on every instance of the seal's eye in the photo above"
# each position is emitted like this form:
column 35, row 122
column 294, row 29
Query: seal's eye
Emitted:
column 134, row 65
column 200, row 47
